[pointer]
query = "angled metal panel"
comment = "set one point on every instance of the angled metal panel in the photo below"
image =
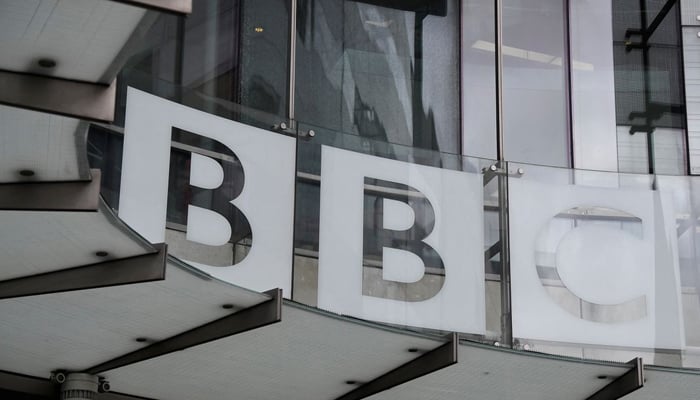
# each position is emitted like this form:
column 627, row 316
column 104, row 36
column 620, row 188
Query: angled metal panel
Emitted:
column 52, row 196
column 84, row 100
column 27, row 384
column 171, row 6
column 624, row 384
column 250, row 318
column 145, row 268
column 434, row 360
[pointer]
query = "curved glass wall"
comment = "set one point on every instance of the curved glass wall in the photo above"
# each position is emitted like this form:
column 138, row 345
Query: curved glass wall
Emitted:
column 602, row 265
column 390, row 224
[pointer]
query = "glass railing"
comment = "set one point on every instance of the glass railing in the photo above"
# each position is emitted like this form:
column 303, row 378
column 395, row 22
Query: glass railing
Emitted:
column 598, row 265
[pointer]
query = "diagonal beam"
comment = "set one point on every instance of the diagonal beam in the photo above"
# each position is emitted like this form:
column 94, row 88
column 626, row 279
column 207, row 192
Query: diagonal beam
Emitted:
column 83, row 100
column 250, row 318
column 624, row 384
column 52, row 196
column 433, row 7
column 27, row 385
column 492, row 251
column 171, row 6
column 144, row 268
column 659, row 19
column 434, row 360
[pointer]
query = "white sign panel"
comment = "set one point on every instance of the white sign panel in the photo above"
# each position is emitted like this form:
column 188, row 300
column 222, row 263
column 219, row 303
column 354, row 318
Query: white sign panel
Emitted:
column 594, row 265
column 264, row 160
column 429, row 234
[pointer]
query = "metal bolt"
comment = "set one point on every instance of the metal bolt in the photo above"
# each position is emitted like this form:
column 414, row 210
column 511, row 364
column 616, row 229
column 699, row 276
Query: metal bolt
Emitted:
column 312, row 133
column 521, row 171
column 493, row 167
column 283, row 125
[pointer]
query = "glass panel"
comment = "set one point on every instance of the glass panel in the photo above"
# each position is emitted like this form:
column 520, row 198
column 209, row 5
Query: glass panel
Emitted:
column 385, row 70
column 236, row 51
column 478, row 79
column 593, row 86
column 691, row 59
column 534, row 82
column 105, row 151
column 603, row 264
column 649, row 85
column 373, row 238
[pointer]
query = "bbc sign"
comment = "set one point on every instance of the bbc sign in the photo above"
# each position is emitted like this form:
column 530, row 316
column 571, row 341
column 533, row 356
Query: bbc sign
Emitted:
column 421, row 263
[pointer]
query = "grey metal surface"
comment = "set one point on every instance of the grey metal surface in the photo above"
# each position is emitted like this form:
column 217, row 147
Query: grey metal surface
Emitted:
column 624, row 384
column 173, row 6
column 52, row 196
column 76, row 99
column 690, row 12
column 250, row 318
column 27, row 384
column 432, row 361
column 691, row 66
column 144, row 268
column 51, row 146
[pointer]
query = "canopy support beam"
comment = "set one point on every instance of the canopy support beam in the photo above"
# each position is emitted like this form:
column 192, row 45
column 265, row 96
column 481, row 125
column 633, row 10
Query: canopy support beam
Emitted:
column 429, row 362
column 170, row 6
column 52, row 196
column 138, row 269
column 247, row 319
column 84, row 100
column 624, row 384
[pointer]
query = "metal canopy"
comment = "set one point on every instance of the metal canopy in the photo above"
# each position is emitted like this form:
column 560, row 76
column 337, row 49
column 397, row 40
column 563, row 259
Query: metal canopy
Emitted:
column 174, row 6
column 78, row 330
column 52, row 196
column 81, row 37
column 668, row 383
column 309, row 355
column 58, row 96
column 486, row 372
column 253, row 317
column 144, row 268
column 34, row 242
column 48, row 148
column 624, row 384
column 63, row 57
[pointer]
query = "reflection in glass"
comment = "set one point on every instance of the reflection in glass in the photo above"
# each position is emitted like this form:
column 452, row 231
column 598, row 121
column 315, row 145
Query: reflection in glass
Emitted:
column 648, row 84
column 478, row 79
column 380, row 69
column 236, row 51
column 534, row 82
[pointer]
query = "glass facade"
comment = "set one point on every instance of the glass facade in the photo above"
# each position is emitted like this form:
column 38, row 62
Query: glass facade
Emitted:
column 390, row 185
column 416, row 83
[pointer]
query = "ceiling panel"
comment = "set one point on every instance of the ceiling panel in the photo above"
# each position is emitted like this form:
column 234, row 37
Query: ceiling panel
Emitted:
column 309, row 355
column 80, row 329
column 51, row 146
column 83, row 37
column 38, row 242
column 490, row 373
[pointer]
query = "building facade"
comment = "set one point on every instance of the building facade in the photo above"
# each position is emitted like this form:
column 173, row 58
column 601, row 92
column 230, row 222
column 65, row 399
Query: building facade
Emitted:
column 417, row 197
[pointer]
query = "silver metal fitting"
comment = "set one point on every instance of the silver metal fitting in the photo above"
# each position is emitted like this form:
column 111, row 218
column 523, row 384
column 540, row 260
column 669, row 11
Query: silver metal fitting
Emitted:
column 79, row 386
column 58, row 377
